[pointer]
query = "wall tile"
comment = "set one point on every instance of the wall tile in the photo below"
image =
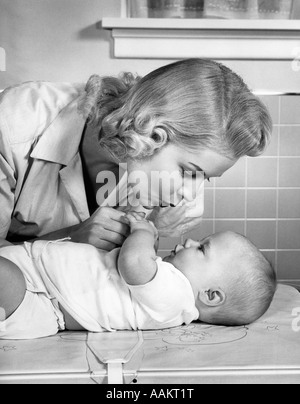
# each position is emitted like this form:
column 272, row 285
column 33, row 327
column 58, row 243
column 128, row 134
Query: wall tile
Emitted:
column 262, row 234
column 271, row 257
column 272, row 103
column 206, row 229
column 235, row 177
column 208, row 204
column 290, row 107
column 163, row 254
column 210, row 184
column 237, row 226
column 289, row 235
column 289, row 204
column 168, row 243
column 288, row 265
column 230, row 203
column 272, row 149
column 261, row 203
column 289, row 170
column 262, row 172
column 290, row 141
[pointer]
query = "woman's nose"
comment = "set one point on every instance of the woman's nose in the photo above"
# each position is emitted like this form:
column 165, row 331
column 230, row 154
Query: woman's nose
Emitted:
column 191, row 188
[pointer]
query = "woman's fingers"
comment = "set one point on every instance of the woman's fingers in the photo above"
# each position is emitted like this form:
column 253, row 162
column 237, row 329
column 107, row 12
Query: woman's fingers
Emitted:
column 104, row 245
column 112, row 237
column 117, row 227
column 112, row 220
column 106, row 230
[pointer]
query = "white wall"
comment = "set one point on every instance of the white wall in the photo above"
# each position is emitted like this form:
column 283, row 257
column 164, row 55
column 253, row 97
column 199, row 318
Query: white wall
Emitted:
column 57, row 40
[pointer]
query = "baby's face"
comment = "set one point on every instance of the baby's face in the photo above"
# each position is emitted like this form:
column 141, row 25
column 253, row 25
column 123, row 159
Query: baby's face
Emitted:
column 204, row 262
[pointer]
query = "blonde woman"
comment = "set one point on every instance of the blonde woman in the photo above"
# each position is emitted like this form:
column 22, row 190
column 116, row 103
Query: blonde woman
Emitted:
column 189, row 117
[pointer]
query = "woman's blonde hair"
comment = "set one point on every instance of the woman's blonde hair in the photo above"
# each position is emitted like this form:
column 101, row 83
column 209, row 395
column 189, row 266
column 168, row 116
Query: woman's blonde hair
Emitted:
column 195, row 103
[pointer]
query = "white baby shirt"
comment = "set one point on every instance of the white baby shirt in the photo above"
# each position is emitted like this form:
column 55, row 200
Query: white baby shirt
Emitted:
column 86, row 282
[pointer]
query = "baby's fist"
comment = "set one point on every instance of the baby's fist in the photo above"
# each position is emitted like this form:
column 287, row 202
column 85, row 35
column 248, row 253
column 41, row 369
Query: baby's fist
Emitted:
column 137, row 221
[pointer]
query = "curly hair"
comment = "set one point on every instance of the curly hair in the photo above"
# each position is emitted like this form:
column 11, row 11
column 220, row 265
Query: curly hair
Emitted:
column 195, row 103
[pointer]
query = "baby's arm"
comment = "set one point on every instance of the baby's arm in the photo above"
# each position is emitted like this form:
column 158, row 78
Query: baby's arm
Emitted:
column 12, row 288
column 137, row 260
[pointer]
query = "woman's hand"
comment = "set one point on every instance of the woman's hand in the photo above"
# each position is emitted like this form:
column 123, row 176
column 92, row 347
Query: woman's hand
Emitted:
column 107, row 229
column 175, row 222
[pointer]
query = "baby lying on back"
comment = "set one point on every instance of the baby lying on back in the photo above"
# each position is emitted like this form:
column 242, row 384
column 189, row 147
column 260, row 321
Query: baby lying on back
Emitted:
column 222, row 280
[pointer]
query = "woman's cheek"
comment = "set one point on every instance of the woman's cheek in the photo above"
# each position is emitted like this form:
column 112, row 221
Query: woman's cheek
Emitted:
column 171, row 189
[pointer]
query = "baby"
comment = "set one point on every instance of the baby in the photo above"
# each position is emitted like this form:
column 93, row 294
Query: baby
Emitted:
column 222, row 280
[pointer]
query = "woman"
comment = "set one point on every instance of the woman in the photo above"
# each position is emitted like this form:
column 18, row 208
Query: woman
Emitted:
column 189, row 117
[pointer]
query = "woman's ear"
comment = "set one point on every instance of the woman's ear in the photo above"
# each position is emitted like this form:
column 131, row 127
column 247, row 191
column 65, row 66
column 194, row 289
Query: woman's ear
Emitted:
column 212, row 297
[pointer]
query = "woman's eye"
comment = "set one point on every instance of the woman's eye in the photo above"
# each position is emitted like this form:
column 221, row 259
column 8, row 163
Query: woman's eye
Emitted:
column 191, row 174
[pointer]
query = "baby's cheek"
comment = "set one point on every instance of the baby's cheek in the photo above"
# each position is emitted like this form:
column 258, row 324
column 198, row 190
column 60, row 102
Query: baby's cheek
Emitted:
column 180, row 262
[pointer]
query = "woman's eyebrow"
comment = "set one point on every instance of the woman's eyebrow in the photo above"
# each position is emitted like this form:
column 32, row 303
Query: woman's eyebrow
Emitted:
column 200, row 170
column 197, row 167
column 203, row 171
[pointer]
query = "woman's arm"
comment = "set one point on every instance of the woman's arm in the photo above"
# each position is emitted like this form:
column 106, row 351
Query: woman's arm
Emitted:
column 137, row 259
column 106, row 230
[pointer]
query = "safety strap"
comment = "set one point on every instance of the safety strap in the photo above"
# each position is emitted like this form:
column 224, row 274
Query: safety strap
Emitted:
column 115, row 373
column 114, row 350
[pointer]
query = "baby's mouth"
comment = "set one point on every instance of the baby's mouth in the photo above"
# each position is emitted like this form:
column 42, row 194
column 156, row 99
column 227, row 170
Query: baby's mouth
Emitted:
column 175, row 251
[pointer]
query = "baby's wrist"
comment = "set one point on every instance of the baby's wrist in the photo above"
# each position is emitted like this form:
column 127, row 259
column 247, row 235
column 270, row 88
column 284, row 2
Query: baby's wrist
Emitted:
column 145, row 226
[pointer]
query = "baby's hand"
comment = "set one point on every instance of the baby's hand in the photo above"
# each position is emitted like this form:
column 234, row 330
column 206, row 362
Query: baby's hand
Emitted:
column 137, row 221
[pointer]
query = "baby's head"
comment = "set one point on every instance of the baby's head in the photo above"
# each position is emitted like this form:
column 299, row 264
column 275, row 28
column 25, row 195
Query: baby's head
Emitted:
column 232, row 281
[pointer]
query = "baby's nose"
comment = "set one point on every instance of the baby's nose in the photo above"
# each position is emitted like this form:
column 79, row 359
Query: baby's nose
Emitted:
column 179, row 248
column 190, row 243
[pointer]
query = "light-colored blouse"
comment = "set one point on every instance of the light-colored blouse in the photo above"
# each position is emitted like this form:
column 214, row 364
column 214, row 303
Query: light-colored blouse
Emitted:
column 41, row 179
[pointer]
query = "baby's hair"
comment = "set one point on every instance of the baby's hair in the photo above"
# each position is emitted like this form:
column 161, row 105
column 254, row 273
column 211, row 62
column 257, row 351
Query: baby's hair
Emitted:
column 252, row 291
column 195, row 103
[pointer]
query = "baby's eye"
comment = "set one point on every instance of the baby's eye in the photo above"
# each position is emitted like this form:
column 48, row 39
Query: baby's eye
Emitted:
column 202, row 249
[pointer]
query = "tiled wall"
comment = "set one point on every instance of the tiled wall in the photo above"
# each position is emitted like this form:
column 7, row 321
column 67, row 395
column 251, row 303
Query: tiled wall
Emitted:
column 260, row 197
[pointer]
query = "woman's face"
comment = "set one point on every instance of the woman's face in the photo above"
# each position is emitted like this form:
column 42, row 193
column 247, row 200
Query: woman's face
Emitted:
column 174, row 174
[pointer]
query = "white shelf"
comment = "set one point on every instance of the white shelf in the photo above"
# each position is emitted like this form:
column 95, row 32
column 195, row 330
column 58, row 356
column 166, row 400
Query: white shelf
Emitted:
column 201, row 24
column 215, row 39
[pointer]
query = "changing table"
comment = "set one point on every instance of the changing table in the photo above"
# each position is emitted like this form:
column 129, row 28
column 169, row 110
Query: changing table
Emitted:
column 267, row 351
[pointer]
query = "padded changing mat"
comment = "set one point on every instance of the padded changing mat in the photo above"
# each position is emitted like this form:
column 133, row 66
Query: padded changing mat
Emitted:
column 265, row 352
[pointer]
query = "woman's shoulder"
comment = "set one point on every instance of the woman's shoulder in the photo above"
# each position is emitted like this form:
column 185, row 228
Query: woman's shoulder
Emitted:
column 28, row 108
column 24, row 92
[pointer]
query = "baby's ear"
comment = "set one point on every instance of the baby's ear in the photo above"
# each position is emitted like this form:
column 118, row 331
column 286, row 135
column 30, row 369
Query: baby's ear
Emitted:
column 212, row 297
